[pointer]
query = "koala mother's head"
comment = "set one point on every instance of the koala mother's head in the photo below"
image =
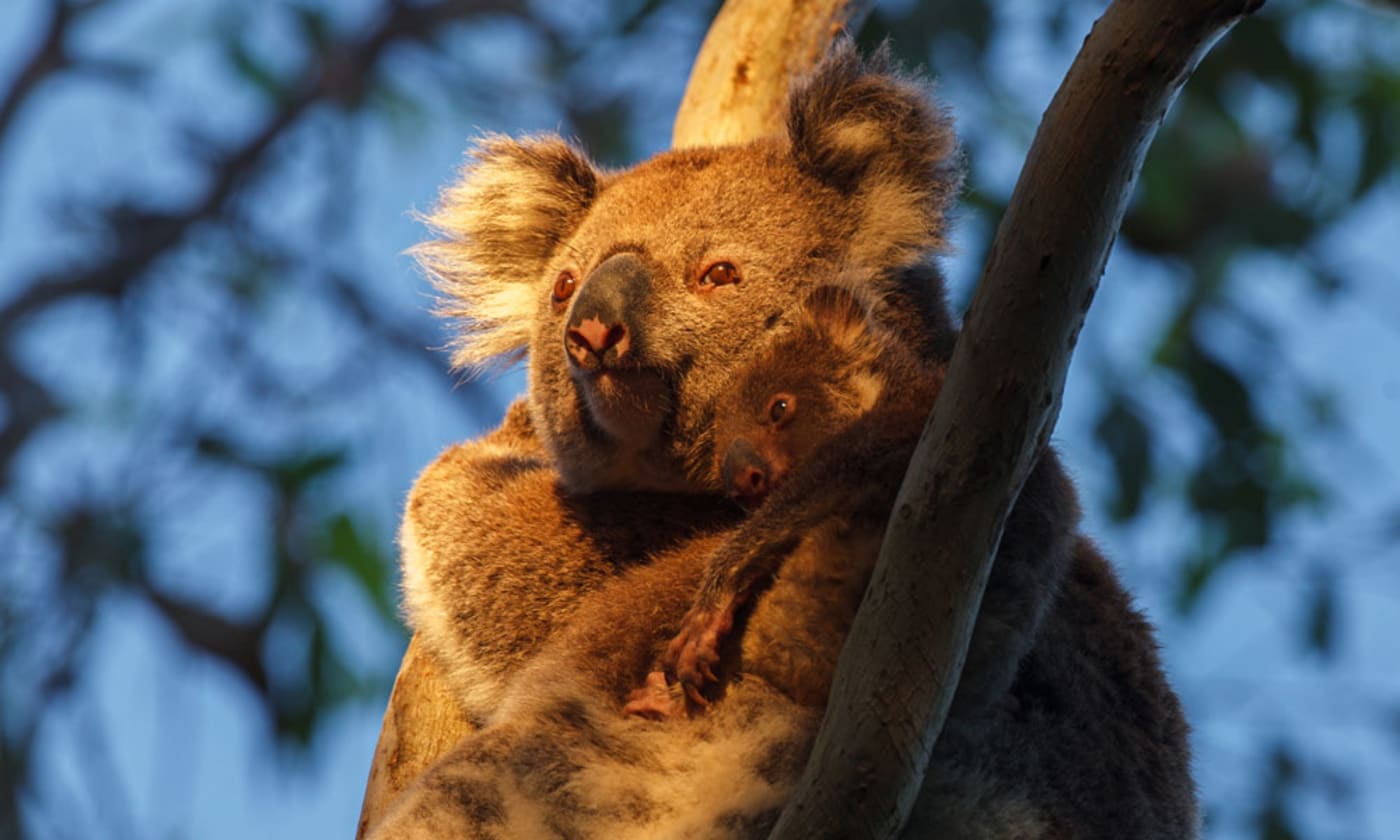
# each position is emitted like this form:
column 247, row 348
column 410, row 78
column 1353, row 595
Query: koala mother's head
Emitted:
column 637, row 294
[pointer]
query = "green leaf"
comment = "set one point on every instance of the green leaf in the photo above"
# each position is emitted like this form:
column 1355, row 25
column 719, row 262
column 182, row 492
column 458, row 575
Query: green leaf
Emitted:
column 1377, row 153
column 361, row 557
column 1125, row 436
column 1274, row 822
column 1218, row 392
column 400, row 108
column 1196, row 571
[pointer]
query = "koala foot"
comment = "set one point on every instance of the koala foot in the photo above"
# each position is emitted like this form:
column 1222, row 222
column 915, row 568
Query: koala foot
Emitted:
column 656, row 699
column 694, row 651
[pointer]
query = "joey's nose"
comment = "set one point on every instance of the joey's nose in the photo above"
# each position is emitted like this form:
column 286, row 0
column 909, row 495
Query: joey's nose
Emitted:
column 591, row 340
column 745, row 473
column 750, row 483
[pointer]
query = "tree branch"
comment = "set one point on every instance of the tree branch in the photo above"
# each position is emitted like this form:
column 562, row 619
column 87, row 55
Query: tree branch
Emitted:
column 994, row 416
column 421, row 722
column 48, row 58
column 236, row 643
column 755, row 48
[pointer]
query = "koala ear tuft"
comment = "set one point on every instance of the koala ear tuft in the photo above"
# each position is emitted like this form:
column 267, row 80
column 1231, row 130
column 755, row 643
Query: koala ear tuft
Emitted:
column 497, row 227
column 876, row 135
column 837, row 313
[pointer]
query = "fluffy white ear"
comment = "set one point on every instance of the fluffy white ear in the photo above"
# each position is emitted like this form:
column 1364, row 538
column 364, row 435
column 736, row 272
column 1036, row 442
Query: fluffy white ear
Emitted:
column 876, row 135
column 497, row 226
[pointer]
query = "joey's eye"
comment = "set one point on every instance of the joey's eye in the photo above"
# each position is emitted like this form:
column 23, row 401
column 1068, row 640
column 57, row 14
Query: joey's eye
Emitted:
column 564, row 286
column 720, row 274
column 781, row 409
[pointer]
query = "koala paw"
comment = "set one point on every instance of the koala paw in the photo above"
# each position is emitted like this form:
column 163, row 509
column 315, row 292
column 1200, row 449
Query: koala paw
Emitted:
column 656, row 699
column 694, row 651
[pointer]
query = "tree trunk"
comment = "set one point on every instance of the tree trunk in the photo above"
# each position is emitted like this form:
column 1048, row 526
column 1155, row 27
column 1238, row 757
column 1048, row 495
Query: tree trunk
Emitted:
column 737, row 92
column 755, row 48
column 422, row 722
column 994, row 414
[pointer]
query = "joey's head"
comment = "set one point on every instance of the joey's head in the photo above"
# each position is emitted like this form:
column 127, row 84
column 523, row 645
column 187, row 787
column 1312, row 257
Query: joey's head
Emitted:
column 637, row 295
column 807, row 387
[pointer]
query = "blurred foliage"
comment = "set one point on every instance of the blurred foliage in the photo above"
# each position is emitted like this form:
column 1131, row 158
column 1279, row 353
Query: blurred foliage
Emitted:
column 1275, row 140
column 1212, row 190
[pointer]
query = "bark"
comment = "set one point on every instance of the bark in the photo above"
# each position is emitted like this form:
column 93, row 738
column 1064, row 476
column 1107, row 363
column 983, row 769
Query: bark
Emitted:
column 754, row 49
column 421, row 722
column 996, row 411
column 737, row 92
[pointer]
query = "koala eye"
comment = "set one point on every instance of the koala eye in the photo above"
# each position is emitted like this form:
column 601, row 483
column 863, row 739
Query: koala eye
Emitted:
column 781, row 409
column 720, row 274
column 564, row 286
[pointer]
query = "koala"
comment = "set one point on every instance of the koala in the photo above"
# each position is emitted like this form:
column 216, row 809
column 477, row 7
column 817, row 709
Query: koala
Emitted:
column 847, row 401
column 547, row 565
column 559, row 758
column 633, row 297
column 831, row 409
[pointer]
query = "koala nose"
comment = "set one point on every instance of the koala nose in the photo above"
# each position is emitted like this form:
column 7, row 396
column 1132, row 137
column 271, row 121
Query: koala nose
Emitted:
column 751, row 482
column 745, row 473
column 602, row 328
column 590, row 341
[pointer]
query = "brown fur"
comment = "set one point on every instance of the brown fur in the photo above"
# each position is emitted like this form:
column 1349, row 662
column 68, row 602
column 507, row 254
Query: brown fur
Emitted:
column 1031, row 748
column 784, row 210
column 1062, row 725
column 522, row 551
column 482, row 584
column 856, row 398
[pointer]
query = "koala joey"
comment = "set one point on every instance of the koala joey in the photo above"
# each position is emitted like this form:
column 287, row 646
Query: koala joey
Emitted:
column 838, row 405
column 634, row 297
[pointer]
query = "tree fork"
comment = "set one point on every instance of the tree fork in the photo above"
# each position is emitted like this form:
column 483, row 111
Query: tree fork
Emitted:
column 900, row 666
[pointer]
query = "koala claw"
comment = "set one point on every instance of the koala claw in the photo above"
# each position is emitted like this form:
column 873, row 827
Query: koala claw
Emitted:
column 655, row 700
column 694, row 651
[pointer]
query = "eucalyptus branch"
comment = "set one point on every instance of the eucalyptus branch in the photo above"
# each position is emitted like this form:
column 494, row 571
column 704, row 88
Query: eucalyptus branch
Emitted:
column 994, row 416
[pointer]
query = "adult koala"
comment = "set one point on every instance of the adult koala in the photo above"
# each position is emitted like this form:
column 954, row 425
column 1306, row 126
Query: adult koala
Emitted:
column 636, row 295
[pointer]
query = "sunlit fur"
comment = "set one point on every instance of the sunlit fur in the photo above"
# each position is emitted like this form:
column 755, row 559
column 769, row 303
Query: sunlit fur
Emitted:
column 557, row 758
column 788, row 211
column 545, row 562
column 513, row 205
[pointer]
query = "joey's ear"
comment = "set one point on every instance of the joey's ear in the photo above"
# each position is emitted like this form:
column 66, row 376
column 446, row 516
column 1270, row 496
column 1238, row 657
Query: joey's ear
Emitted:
column 876, row 135
column 497, row 226
column 837, row 314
